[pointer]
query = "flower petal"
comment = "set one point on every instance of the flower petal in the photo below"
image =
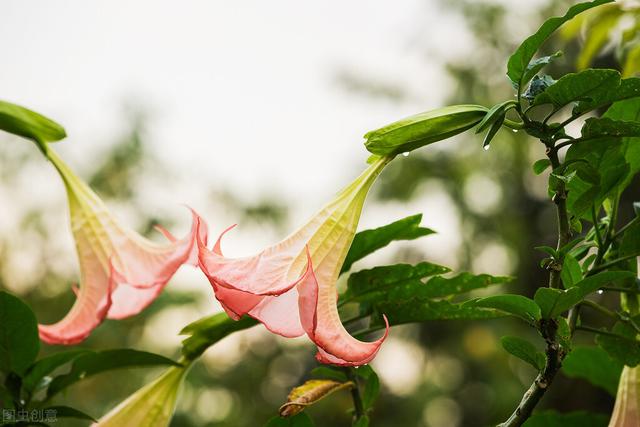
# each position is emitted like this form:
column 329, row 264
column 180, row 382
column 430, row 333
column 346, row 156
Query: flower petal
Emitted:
column 88, row 311
column 321, row 321
column 155, row 267
column 121, row 271
column 305, row 265
column 151, row 406
column 626, row 411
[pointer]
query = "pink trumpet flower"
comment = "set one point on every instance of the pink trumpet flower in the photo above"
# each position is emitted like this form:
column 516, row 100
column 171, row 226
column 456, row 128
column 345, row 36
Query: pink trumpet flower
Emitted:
column 121, row 272
column 291, row 286
column 626, row 412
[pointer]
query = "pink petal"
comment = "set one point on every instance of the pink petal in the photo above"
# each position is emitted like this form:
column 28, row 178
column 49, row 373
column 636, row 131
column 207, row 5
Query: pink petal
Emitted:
column 88, row 311
column 149, row 269
column 321, row 321
column 258, row 286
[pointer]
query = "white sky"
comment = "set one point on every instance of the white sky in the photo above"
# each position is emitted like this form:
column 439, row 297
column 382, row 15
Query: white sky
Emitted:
column 240, row 91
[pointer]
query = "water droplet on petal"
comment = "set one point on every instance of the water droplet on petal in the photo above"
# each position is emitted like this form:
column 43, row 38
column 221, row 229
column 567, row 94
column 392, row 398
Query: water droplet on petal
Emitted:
column 406, row 154
column 486, row 147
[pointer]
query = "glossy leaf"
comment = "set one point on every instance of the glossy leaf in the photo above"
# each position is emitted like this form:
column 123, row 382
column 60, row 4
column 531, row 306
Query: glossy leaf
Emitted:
column 541, row 165
column 571, row 271
column 524, row 350
column 553, row 302
column 47, row 365
column 369, row 241
column 102, row 361
column 494, row 114
column 591, row 84
column 205, row 332
column 625, row 89
column 495, row 127
column 538, row 64
column 425, row 128
column 417, row 310
column 520, row 60
column 605, row 126
column 19, row 342
column 403, row 281
column 309, row 393
column 516, row 305
column 594, row 365
column 371, row 387
column 330, row 373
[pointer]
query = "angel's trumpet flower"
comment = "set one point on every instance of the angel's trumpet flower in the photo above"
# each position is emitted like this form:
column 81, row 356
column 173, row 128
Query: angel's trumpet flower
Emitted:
column 151, row 406
column 291, row 286
column 626, row 412
column 121, row 272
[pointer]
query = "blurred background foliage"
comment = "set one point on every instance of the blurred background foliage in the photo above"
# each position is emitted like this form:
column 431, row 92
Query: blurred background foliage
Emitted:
column 437, row 374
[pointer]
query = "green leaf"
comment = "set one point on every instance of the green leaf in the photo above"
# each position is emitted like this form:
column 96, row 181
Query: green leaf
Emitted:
column 538, row 85
column 571, row 419
column 425, row 128
column 421, row 310
column 553, row 302
column 371, row 387
column 369, row 241
column 209, row 330
column 19, row 342
column 329, row 372
column 589, row 85
column 625, row 349
column 605, row 126
column 564, row 334
column 494, row 114
column 625, row 89
column 495, row 127
column 571, row 271
column 594, row 365
column 68, row 412
column 538, row 64
column 102, row 361
column 541, row 165
column 403, row 282
column 519, row 63
column 299, row 420
column 361, row 422
column 46, row 365
column 546, row 298
column 29, row 124
column 517, row 305
column 524, row 350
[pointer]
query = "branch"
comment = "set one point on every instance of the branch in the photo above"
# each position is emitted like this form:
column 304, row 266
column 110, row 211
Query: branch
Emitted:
column 548, row 327
column 541, row 383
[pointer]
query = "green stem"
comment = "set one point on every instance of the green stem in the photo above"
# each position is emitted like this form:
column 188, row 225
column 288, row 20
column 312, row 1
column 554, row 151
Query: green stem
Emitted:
column 596, row 227
column 564, row 231
column 600, row 332
column 542, row 381
column 358, row 407
column 608, row 264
